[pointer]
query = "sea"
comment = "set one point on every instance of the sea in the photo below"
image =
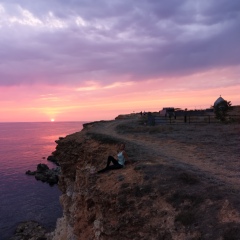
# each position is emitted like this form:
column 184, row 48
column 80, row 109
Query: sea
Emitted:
column 22, row 198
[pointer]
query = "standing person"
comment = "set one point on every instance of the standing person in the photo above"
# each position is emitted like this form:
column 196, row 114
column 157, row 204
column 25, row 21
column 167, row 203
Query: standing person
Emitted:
column 117, row 164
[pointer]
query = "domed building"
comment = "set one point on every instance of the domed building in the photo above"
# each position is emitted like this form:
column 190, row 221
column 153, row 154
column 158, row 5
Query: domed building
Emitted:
column 219, row 100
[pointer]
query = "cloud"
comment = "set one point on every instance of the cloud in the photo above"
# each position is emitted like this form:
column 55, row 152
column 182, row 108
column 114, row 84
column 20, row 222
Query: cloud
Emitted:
column 70, row 42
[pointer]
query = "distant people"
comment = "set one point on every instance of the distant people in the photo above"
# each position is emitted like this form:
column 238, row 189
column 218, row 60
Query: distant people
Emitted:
column 116, row 164
column 141, row 113
column 185, row 118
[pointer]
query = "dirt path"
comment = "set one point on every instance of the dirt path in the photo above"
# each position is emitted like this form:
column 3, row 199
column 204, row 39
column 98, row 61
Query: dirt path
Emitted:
column 184, row 179
column 212, row 151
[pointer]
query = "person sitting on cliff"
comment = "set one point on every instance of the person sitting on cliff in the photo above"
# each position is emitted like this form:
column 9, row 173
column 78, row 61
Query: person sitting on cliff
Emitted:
column 117, row 164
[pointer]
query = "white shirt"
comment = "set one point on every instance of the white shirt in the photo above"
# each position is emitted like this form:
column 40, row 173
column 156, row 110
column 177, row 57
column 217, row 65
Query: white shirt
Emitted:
column 121, row 159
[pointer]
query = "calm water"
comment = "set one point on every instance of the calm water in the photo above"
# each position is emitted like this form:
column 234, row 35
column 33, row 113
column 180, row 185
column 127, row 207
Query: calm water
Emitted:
column 22, row 198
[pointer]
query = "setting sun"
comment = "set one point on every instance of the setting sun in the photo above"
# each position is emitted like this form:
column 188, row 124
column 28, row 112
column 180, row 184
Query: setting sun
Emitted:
column 52, row 120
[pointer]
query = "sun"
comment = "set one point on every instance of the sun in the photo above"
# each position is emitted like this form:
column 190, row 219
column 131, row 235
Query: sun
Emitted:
column 52, row 119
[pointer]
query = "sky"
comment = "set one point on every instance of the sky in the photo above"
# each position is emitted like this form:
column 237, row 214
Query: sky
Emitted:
column 85, row 60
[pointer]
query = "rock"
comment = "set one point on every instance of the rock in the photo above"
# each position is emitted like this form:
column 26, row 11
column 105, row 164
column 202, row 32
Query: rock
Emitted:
column 53, row 180
column 164, row 198
column 28, row 172
column 59, row 140
column 29, row 230
column 42, row 167
column 41, row 177
column 45, row 174
column 52, row 159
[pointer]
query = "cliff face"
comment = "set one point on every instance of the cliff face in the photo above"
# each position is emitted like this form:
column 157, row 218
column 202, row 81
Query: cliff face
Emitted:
column 94, row 205
column 157, row 196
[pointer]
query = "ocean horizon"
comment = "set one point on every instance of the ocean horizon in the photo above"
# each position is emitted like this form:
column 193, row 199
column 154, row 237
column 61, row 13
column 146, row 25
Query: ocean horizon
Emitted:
column 23, row 145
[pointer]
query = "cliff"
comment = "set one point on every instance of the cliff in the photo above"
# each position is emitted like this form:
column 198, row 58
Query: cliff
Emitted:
column 182, row 182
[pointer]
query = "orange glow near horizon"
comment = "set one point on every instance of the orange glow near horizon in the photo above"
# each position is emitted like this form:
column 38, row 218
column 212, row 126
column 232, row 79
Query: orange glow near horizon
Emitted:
column 106, row 102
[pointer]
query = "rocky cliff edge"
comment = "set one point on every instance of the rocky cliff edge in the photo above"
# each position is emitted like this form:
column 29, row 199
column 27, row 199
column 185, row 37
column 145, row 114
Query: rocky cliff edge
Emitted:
column 159, row 195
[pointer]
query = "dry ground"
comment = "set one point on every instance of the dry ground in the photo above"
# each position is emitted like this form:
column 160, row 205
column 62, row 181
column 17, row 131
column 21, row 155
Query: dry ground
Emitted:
column 209, row 150
column 191, row 169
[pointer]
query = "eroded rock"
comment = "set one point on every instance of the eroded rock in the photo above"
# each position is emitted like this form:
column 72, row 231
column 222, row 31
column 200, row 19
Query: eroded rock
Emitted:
column 29, row 230
column 44, row 174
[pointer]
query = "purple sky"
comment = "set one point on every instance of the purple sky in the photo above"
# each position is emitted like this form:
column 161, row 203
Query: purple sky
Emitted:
column 74, row 43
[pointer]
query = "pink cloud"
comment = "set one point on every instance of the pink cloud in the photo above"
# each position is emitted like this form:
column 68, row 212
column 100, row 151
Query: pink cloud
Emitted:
column 80, row 60
column 64, row 103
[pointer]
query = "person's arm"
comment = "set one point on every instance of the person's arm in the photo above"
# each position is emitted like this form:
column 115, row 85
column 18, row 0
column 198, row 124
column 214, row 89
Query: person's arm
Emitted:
column 126, row 156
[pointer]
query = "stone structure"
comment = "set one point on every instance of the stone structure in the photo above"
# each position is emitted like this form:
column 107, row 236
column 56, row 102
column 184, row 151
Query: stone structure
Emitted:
column 218, row 101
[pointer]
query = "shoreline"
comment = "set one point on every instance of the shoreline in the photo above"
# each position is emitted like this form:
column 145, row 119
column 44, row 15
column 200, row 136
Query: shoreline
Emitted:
column 22, row 197
column 181, row 167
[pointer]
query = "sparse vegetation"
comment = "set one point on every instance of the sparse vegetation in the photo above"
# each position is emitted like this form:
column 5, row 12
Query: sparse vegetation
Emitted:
column 123, row 128
column 103, row 138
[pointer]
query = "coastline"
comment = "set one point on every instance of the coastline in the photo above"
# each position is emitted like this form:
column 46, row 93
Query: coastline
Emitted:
column 183, row 182
column 23, row 146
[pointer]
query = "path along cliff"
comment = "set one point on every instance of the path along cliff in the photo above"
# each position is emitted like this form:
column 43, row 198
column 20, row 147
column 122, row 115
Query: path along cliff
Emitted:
column 182, row 183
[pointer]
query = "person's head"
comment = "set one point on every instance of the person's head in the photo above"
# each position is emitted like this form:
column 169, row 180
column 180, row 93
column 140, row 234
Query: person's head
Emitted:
column 122, row 146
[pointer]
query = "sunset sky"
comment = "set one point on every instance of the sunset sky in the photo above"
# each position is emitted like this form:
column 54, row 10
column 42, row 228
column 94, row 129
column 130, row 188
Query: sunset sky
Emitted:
column 85, row 60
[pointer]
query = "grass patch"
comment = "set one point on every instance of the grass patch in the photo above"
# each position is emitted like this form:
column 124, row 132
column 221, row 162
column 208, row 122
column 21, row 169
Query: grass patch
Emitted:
column 141, row 128
column 160, row 129
column 103, row 138
column 129, row 128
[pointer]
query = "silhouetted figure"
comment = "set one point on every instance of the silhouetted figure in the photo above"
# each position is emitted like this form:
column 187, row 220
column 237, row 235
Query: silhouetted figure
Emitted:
column 116, row 164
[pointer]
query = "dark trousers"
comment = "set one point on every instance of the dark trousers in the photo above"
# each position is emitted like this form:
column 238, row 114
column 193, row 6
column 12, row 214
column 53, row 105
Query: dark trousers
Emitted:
column 115, row 165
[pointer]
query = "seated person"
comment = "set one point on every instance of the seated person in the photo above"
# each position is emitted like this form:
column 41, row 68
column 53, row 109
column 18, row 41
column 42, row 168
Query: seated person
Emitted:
column 117, row 164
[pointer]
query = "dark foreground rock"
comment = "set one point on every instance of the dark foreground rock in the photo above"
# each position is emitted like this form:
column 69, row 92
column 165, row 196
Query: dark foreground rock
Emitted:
column 29, row 230
column 52, row 159
column 44, row 174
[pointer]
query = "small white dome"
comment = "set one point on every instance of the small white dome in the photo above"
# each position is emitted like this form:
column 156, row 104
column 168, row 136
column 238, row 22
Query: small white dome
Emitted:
column 219, row 100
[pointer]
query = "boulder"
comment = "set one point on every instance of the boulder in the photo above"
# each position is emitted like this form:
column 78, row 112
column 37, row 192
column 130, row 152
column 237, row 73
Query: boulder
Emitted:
column 52, row 159
column 45, row 174
column 29, row 230
column 41, row 167
column 28, row 172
